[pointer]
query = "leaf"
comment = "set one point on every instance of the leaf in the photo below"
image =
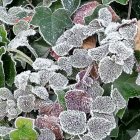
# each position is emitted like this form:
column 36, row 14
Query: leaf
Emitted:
column 7, row 2
column 126, row 86
column 56, row 23
column 9, row 66
column 24, row 129
column 124, row 2
column 71, row 5
column 3, row 34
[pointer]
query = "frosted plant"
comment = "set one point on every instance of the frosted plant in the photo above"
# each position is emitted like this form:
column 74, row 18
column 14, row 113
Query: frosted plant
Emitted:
column 21, row 80
column 78, row 100
column 34, row 78
column 73, row 122
column 46, row 134
column 118, row 99
column 44, row 64
column 5, row 94
column 112, row 27
column 20, row 92
column 41, row 92
column 99, row 53
column 86, row 137
column 12, row 111
column 109, row 71
column 103, row 104
column 64, row 63
column 26, row 103
column 11, row 103
column 5, row 130
column 80, row 58
column 138, row 79
column 137, row 136
column 105, row 16
column 58, row 81
column 99, row 128
column 3, row 111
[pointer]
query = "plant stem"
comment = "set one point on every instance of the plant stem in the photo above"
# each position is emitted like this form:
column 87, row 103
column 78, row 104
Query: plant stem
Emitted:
column 129, row 9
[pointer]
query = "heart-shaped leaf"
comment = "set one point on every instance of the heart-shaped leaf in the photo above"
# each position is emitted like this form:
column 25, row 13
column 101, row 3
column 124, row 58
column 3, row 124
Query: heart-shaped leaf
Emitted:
column 51, row 25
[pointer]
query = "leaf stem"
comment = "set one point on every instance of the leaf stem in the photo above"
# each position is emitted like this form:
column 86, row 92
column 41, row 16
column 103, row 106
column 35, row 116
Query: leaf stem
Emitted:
column 129, row 9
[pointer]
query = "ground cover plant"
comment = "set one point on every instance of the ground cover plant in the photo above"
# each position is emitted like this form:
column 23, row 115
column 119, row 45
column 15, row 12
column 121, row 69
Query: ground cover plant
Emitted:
column 69, row 70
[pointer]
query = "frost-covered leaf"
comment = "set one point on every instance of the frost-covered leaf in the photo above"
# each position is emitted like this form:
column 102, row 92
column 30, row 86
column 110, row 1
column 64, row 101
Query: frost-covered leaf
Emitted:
column 26, row 103
column 51, row 109
column 129, row 64
column 5, row 130
column 34, row 78
column 20, row 92
column 83, row 11
column 78, row 100
column 137, row 136
column 11, row 103
column 48, row 3
column 103, row 104
column 5, row 94
column 99, row 128
column 22, row 25
column 9, row 66
column 105, row 16
column 65, row 65
column 118, row 99
column 46, row 134
column 7, row 2
column 128, row 31
column 51, row 31
column 51, row 123
column 80, row 58
column 41, row 92
column 98, row 53
column 3, row 111
column 12, row 111
column 87, row 137
column 71, row 5
column 44, row 64
column 21, row 80
column 109, row 70
column 138, row 79
column 124, row 2
column 58, row 81
column 73, row 122
column 122, row 52
column 112, row 27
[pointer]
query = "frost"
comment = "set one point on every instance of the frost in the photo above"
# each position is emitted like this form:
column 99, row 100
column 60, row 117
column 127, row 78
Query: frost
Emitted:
column 122, row 52
column 112, row 27
column 65, row 65
column 26, row 103
column 7, row 2
column 137, row 136
column 105, row 16
column 87, row 137
column 11, row 103
column 109, row 70
column 34, row 78
column 3, row 105
column 58, row 81
column 20, row 92
column 73, row 122
column 5, row 130
column 21, row 80
column 118, row 99
column 129, row 64
column 129, row 43
column 5, row 93
column 44, row 64
column 99, row 128
column 12, row 111
column 103, row 104
column 46, row 134
column 78, row 100
column 138, row 79
column 45, row 76
column 98, row 53
column 41, row 92
column 80, row 58
column 128, row 31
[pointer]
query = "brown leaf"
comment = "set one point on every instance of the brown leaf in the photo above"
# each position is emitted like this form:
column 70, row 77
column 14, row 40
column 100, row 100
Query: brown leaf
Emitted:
column 90, row 42
column 137, row 38
column 94, row 72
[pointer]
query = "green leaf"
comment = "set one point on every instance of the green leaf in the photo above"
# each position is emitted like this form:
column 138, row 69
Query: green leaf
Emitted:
column 25, row 129
column 61, row 98
column 127, row 86
column 9, row 66
column 115, row 132
column 124, row 2
column 121, row 112
column 3, row 34
column 71, row 5
column 51, row 25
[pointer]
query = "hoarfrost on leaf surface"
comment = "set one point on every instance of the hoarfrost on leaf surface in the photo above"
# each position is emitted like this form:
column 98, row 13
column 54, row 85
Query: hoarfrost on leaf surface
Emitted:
column 109, row 71
column 26, row 103
column 58, row 81
column 73, row 122
column 87, row 137
column 99, row 128
column 103, row 104
column 34, row 78
column 105, row 16
column 5, row 130
column 46, row 134
column 41, row 92
column 137, row 136
column 138, row 79
column 112, row 27
column 21, row 80
column 3, row 111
